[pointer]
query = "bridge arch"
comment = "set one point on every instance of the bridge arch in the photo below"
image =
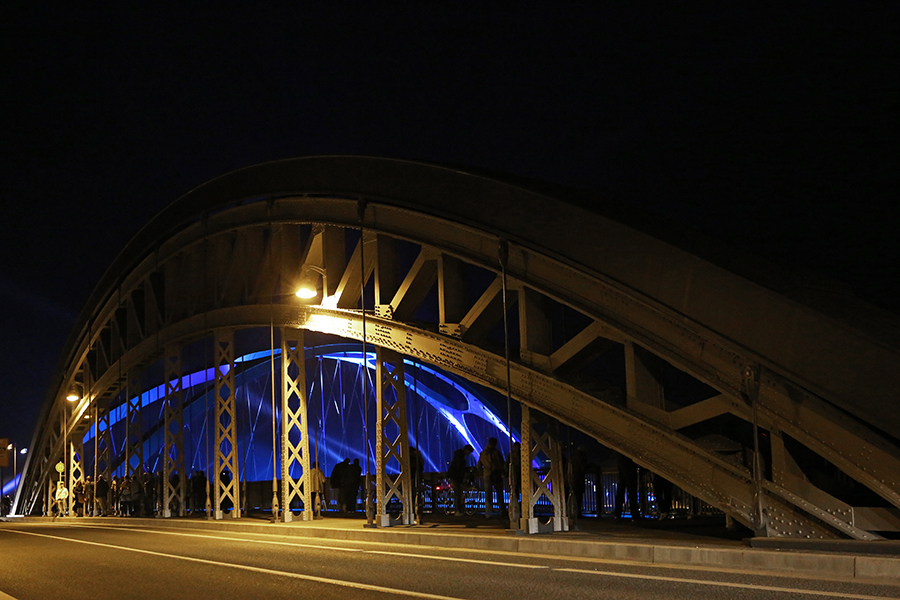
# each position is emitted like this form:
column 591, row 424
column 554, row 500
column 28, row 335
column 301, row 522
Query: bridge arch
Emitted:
column 648, row 347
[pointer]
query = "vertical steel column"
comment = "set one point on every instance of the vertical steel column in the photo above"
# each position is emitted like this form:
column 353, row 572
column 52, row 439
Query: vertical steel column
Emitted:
column 174, row 478
column 134, row 432
column 75, row 470
column 226, row 476
column 294, row 426
column 391, row 400
column 534, row 486
column 104, row 454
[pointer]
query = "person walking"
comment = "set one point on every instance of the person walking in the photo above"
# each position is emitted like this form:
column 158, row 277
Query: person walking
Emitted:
column 317, row 488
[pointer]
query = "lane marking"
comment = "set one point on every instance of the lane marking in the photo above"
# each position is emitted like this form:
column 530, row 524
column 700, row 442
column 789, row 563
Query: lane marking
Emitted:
column 767, row 588
column 321, row 547
column 325, row 580
column 453, row 559
column 215, row 537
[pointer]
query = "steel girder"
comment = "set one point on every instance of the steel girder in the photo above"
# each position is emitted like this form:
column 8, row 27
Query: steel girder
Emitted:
column 255, row 250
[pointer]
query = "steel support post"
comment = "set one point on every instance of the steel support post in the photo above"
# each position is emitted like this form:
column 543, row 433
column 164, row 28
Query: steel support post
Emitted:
column 226, row 477
column 174, row 477
column 104, row 453
column 392, row 441
column 294, row 426
column 134, row 432
column 534, row 485
column 75, row 471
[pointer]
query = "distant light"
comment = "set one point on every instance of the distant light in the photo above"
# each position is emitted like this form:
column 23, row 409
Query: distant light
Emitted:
column 73, row 394
column 10, row 447
column 23, row 451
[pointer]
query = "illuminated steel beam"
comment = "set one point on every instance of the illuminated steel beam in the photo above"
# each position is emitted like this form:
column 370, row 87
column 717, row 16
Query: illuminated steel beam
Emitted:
column 75, row 472
column 134, row 424
column 175, row 478
column 104, row 452
column 540, row 437
column 294, row 426
column 392, row 441
column 226, row 477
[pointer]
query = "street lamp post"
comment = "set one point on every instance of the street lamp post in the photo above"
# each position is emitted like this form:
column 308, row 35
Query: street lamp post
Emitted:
column 15, row 453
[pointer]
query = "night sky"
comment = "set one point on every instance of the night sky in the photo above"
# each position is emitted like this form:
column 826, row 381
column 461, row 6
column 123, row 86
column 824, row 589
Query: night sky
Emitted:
column 775, row 131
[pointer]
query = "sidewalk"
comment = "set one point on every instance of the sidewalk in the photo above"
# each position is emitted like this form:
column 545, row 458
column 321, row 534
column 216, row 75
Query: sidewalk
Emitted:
column 663, row 544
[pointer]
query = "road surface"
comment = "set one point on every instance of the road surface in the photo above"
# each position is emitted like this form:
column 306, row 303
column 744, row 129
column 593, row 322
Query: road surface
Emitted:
column 43, row 561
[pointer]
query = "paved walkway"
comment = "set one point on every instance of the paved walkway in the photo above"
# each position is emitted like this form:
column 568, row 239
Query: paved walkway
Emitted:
column 672, row 543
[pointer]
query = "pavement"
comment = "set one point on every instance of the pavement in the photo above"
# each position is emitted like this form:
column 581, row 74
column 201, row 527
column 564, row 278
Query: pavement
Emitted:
column 677, row 544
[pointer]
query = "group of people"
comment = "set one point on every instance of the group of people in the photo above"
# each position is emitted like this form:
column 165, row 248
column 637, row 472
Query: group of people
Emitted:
column 492, row 466
column 137, row 495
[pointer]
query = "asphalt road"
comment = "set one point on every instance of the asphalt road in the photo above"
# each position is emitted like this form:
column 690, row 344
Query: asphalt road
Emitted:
column 43, row 561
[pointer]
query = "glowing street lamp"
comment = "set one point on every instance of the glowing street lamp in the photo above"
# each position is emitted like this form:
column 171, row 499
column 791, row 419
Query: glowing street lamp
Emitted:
column 22, row 451
column 309, row 280
column 74, row 394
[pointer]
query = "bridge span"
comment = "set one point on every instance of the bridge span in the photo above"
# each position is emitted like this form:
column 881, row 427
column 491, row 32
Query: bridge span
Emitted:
column 763, row 393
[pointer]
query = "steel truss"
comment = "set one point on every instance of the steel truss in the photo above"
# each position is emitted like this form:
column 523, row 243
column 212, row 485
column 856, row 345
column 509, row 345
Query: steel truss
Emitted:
column 255, row 249
column 175, row 479
column 294, row 427
column 392, row 442
column 543, row 446
column 103, row 452
column 226, row 477
column 75, row 471
column 134, row 425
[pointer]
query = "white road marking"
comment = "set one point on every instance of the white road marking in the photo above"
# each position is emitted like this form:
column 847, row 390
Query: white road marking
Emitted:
column 326, row 580
column 218, row 537
column 453, row 559
column 319, row 546
column 751, row 586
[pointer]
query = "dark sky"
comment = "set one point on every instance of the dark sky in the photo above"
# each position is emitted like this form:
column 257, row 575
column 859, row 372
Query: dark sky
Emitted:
column 773, row 130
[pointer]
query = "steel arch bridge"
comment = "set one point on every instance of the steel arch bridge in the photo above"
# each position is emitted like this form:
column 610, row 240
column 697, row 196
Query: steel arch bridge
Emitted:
column 743, row 390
